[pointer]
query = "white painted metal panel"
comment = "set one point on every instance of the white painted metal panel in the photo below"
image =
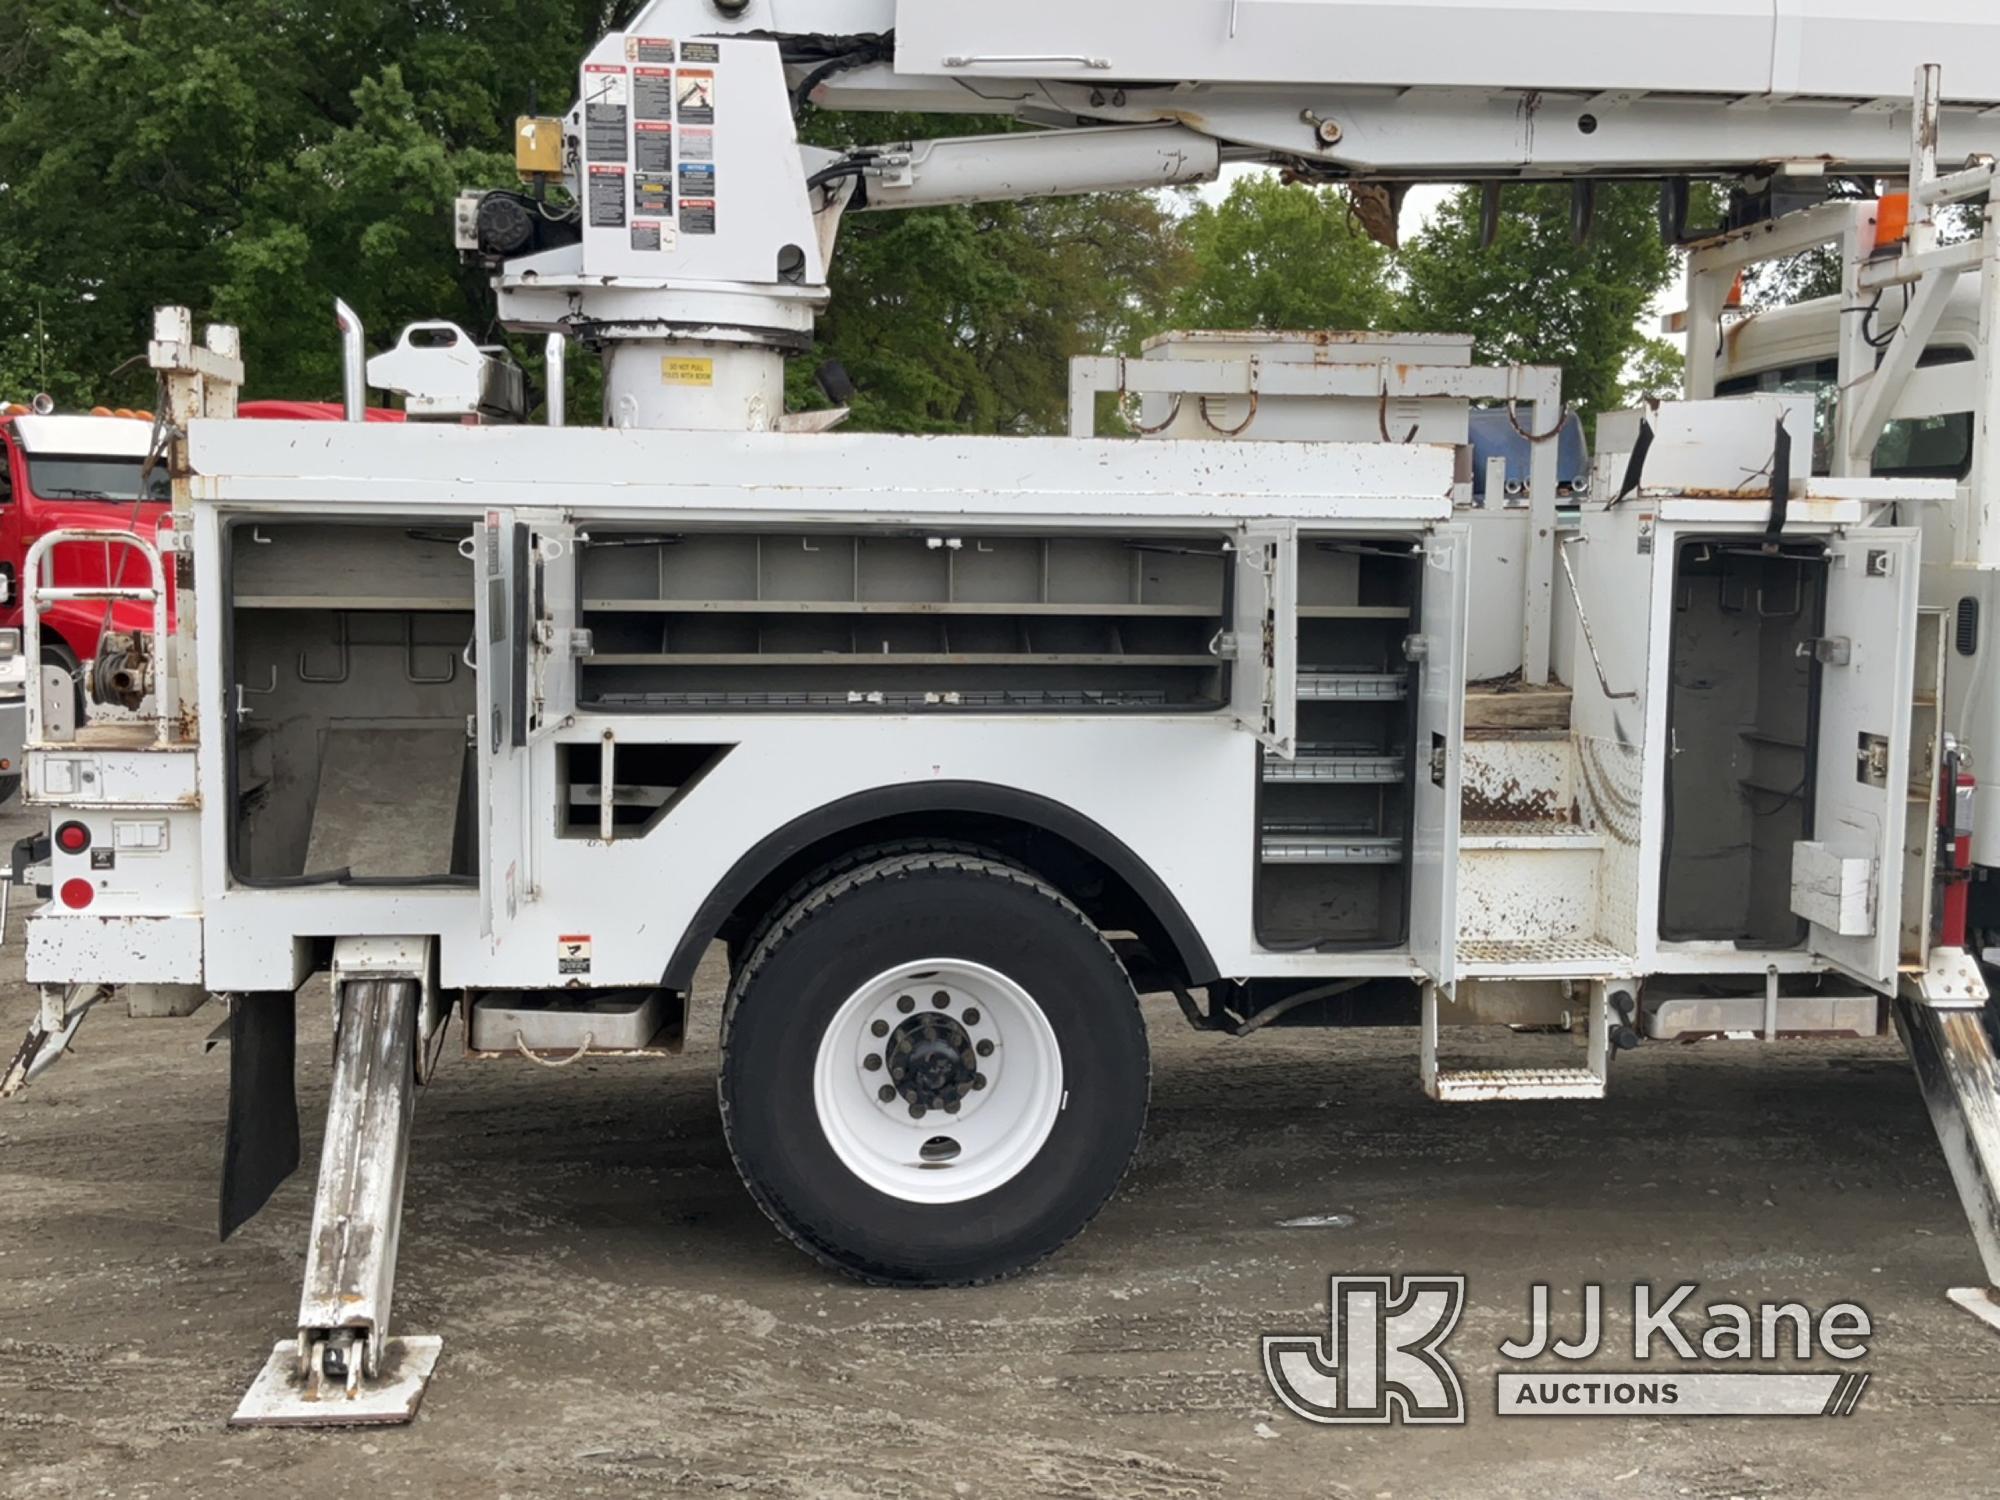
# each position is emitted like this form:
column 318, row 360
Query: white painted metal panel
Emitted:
column 1859, row 48
column 69, row 947
column 500, row 545
column 1438, row 774
column 1744, row 47
column 1699, row 45
column 1264, row 685
column 1863, row 769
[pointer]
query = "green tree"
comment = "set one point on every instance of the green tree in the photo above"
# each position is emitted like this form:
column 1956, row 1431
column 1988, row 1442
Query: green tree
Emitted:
column 965, row 319
column 1278, row 255
column 1536, row 297
column 255, row 159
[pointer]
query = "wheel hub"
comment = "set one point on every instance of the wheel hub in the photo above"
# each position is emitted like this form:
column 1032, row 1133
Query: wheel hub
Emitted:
column 938, row 1080
column 932, row 1063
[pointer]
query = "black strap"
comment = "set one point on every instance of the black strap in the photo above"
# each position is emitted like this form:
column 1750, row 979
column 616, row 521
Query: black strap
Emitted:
column 1781, row 486
column 1635, row 466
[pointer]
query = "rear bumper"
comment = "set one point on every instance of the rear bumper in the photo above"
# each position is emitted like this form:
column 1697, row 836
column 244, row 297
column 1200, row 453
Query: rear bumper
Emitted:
column 77, row 948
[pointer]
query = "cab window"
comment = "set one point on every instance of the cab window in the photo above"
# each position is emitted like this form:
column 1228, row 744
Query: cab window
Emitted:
column 1909, row 448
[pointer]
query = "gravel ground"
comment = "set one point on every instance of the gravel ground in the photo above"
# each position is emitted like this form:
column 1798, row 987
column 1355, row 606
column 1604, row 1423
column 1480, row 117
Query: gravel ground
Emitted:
column 620, row 1320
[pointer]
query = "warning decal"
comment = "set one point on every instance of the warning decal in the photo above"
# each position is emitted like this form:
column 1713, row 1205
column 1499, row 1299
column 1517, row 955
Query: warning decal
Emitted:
column 573, row 953
column 604, row 112
column 649, row 49
column 694, row 97
column 607, row 197
column 707, row 52
column 697, row 216
column 653, row 93
column 652, row 195
column 653, row 147
column 645, row 234
column 698, row 145
column 697, row 179
column 682, row 369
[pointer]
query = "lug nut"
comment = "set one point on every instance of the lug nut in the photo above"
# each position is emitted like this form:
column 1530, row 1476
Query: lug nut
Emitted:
column 952, row 1108
column 985, row 1049
column 905, row 1004
column 916, row 1111
column 979, row 1080
column 872, row 1063
column 941, row 1000
column 972, row 1015
column 885, row 1093
column 897, row 1072
column 880, row 1028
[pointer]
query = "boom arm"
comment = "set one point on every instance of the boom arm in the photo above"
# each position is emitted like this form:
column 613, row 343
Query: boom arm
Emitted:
column 1417, row 89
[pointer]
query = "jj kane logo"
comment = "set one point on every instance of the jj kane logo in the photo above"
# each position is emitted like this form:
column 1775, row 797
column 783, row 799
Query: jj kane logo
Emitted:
column 1382, row 1359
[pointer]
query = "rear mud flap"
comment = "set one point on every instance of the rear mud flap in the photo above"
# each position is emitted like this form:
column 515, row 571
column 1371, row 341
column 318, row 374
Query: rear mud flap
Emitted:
column 261, row 1141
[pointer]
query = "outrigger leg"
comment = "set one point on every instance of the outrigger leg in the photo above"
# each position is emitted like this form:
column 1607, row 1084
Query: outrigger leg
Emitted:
column 1942, row 1018
column 343, row 1368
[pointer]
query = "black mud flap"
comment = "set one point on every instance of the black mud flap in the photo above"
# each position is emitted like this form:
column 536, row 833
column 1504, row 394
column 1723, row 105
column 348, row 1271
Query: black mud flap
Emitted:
column 260, row 1146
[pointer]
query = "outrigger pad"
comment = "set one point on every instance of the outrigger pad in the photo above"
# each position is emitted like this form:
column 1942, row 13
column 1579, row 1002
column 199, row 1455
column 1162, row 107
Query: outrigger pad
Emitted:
column 278, row 1397
column 260, row 1146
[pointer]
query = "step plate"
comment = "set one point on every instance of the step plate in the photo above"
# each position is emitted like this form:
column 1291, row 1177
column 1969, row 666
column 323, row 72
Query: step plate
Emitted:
column 1493, row 1084
column 1555, row 957
column 277, row 1397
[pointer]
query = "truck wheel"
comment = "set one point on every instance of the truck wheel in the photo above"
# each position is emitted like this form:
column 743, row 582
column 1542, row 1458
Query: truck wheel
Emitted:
column 8, row 786
column 740, row 949
column 934, row 1071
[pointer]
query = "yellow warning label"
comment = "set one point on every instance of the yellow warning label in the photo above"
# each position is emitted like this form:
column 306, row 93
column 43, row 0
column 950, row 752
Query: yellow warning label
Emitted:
column 684, row 371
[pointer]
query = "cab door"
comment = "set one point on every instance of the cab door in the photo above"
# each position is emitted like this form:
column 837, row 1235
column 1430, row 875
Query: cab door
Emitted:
column 1847, row 878
column 1437, row 644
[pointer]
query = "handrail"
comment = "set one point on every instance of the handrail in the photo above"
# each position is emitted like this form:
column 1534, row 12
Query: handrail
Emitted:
column 37, row 594
column 1583, row 620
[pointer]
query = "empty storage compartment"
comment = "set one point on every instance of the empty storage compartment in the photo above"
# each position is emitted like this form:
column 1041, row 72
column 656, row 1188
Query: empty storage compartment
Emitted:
column 1334, row 822
column 833, row 620
column 1742, row 698
column 349, row 759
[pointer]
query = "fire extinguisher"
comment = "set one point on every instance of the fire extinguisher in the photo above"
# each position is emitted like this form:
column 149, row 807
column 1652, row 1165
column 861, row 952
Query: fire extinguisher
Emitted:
column 1954, row 873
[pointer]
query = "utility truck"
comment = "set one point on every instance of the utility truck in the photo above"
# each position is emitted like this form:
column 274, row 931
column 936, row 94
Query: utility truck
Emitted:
column 959, row 745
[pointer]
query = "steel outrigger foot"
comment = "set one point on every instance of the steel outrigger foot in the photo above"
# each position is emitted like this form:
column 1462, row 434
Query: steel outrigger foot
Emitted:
column 343, row 1369
column 1941, row 1018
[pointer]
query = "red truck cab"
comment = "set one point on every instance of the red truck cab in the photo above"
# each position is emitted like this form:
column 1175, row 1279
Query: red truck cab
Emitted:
column 60, row 472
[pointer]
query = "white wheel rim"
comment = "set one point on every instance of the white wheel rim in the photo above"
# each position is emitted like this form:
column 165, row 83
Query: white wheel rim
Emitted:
column 988, row 1048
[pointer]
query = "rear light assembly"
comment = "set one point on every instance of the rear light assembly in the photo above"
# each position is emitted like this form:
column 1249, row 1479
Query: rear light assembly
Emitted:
column 77, row 894
column 72, row 837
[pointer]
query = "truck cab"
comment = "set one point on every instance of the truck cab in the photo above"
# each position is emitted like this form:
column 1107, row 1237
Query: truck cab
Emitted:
column 67, row 472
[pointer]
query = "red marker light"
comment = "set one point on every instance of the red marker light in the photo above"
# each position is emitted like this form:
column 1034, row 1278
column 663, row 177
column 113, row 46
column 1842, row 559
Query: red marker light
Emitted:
column 77, row 894
column 72, row 838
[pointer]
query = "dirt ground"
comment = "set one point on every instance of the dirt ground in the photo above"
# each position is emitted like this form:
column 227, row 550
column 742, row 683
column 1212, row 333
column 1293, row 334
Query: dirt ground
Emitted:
column 620, row 1320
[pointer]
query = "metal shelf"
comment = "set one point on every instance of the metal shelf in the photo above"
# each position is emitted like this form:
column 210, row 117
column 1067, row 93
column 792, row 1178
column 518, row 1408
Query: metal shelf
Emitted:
column 1333, row 684
column 1291, row 844
column 965, row 608
column 1337, row 764
column 888, row 659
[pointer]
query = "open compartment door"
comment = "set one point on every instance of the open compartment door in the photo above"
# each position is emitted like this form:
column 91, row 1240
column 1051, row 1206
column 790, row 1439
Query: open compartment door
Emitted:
column 502, row 554
column 1847, row 878
column 1264, row 684
column 1438, row 646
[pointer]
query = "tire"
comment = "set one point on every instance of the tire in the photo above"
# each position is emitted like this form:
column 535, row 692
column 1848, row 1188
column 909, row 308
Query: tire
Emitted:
column 741, row 949
column 1049, row 1077
column 9, row 785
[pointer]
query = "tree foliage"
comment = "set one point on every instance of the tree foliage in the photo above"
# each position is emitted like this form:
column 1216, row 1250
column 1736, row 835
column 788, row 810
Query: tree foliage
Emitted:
column 1273, row 255
column 254, row 159
column 1535, row 296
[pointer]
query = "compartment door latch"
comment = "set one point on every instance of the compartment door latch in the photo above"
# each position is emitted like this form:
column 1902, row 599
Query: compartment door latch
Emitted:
column 1828, row 650
column 1871, row 760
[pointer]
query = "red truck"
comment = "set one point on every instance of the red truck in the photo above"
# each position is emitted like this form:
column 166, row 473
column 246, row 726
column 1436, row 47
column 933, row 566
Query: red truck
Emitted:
column 84, row 471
